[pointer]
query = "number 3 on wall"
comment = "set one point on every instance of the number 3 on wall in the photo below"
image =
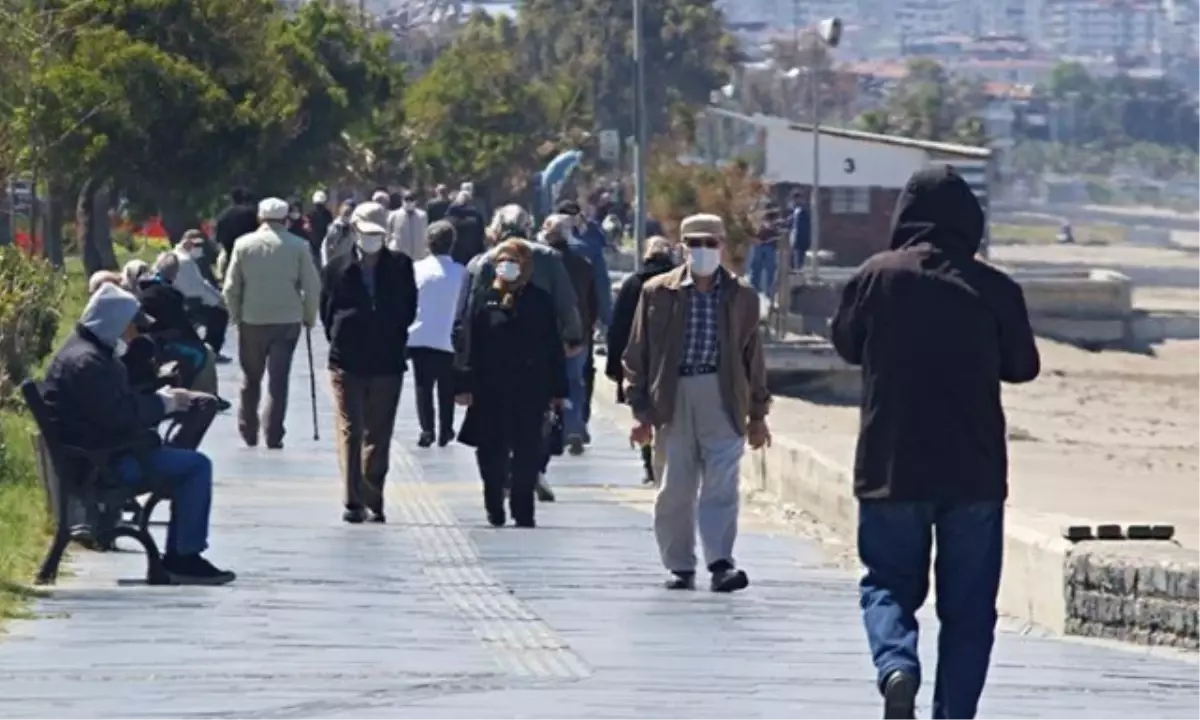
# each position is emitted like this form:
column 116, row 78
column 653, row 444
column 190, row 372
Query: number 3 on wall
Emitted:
column 848, row 166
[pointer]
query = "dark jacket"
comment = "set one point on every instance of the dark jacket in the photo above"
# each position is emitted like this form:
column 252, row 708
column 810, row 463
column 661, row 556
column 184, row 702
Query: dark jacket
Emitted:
column 234, row 222
column 624, row 310
column 516, row 364
column 583, row 281
column 90, row 400
column 936, row 331
column 319, row 220
column 436, row 209
column 468, row 232
column 368, row 335
column 141, row 363
column 169, row 309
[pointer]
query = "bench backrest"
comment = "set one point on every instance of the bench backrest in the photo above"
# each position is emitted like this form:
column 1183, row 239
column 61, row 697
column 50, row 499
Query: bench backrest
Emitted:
column 57, row 470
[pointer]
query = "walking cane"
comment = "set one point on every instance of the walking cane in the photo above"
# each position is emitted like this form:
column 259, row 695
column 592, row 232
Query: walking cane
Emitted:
column 312, row 381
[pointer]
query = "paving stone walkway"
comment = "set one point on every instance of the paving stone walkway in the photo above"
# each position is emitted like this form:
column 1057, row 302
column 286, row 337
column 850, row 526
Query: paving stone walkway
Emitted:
column 438, row 615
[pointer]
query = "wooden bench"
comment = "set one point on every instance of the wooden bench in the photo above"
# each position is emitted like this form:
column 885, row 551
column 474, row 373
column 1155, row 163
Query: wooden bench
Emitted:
column 88, row 501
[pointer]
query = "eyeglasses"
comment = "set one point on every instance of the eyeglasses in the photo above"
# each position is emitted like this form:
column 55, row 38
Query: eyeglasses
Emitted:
column 702, row 241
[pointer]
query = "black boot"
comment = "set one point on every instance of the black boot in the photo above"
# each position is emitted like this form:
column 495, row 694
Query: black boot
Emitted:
column 900, row 696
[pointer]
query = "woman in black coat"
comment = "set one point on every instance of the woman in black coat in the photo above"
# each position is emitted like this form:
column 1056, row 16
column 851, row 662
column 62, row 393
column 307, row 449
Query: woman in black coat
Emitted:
column 511, row 374
column 658, row 260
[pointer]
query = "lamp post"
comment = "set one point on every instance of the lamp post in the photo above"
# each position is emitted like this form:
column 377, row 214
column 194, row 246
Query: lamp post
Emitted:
column 640, row 142
column 829, row 32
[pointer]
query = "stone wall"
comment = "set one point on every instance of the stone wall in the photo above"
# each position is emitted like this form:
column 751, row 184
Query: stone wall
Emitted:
column 854, row 237
column 1143, row 592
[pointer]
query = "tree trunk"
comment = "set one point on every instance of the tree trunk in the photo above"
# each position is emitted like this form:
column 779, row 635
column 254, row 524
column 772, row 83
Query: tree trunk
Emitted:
column 91, row 221
column 53, row 239
column 176, row 219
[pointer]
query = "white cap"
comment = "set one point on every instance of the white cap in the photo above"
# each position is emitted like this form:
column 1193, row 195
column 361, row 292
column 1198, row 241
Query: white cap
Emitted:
column 272, row 209
column 380, row 197
column 319, row 198
column 468, row 187
column 369, row 218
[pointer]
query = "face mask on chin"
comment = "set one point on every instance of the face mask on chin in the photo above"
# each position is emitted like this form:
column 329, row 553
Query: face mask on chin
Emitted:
column 370, row 244
column 704, row 261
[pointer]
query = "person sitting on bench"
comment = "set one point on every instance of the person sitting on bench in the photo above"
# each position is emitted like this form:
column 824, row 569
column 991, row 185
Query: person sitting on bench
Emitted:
column 173, row 331
column 146, row 374
column 93, row 407
column 204, row 302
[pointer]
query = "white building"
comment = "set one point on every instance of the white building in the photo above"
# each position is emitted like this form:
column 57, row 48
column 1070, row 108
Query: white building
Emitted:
column 1106, row 28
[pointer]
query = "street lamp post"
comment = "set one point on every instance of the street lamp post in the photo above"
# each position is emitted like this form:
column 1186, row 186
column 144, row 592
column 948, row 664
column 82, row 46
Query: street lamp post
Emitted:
column 640, row 143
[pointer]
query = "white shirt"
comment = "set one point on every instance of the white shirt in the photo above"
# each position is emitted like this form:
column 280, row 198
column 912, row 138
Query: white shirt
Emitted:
column 192, row 284
column 406, row 232
column 440, row 282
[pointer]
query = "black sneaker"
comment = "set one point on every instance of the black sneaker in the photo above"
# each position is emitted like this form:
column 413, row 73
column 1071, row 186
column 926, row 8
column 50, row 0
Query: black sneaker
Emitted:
column 727, row 580
column 525, row 523
column 575, row 445
column 900, row 696
column 222, row 359
column 377, row 516
column 223, row 405
column 354, row 516
column 195, row 570
column 426, row 440
column 446, row 438
column 497, row 519
column 681, row 581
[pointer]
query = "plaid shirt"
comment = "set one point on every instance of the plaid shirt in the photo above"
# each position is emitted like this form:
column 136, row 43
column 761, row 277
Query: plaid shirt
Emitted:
column 701, row 345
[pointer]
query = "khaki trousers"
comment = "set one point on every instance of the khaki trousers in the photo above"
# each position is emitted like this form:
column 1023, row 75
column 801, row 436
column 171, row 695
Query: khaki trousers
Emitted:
column 364, row 419
column 265, row 349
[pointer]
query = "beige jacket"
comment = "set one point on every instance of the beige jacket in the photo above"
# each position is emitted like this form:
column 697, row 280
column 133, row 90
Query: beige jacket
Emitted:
column 406, row 233
column 655, row 349
column 271, row 279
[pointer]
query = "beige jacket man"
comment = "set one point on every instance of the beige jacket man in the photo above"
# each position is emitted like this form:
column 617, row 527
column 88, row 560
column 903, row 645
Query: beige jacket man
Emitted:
column 694, row 371
column 406, row 228
column 271, row 289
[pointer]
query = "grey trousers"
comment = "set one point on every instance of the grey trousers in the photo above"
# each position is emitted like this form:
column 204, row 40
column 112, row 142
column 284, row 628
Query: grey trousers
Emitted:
column 700, row 485
column 265, row 349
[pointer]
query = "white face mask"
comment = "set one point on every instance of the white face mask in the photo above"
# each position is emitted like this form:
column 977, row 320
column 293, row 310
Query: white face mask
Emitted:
column 120, row 346
column 704, row 261
column 370, row 244
column 196, row 252
column 508, row 271
column 409, row 204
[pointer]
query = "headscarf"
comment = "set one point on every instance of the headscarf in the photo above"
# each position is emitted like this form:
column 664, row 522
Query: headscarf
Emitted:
column 520, row 252
column 134, row 271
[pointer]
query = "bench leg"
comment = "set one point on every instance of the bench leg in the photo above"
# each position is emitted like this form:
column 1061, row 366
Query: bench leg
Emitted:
column 48, row 573
column 148, row 510
column 155, row 573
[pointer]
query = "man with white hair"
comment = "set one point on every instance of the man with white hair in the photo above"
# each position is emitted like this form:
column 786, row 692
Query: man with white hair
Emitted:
column 271, row 289
column 695, row 371
column 468, row 225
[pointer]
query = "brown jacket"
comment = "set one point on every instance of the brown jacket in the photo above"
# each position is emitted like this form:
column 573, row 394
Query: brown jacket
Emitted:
column 655, row 349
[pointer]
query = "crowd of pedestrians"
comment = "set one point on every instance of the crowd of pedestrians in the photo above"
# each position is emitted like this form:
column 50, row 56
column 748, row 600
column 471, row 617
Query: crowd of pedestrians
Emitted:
column 500, row 318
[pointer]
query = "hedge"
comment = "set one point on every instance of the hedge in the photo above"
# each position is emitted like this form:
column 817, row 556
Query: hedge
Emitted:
column 30, row 295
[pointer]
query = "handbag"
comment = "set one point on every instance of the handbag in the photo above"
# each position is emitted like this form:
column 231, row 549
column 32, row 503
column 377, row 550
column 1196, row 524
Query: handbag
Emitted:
column 552, row 432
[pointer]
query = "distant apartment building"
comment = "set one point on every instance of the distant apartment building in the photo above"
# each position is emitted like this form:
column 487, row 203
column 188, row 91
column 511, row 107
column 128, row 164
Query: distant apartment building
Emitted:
column 1105, row 28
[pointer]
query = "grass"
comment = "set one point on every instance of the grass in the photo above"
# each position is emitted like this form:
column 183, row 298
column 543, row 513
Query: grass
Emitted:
column 1091, row 234
column 24, row 519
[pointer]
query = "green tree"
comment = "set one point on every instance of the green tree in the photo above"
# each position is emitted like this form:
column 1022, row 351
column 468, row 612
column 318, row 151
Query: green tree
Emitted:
column 930, row 104
column 475, row 115
column 689, row 53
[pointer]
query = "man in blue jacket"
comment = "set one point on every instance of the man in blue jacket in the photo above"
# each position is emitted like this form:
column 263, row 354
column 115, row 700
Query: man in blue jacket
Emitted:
column 590, row 241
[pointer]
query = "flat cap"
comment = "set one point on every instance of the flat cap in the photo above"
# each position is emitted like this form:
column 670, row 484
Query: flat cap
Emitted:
column 369, row 218
column 702, row 225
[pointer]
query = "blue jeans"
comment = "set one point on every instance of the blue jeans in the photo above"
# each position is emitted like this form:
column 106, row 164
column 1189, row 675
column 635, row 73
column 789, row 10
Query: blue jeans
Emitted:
column 764, row 268
column 894, row 544
column 190, row 475
column 573, row 422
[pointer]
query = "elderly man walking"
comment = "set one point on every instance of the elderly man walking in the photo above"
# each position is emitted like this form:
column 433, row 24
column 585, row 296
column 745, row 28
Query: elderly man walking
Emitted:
column 694, row 369
column 271, row 288
column 936, row 332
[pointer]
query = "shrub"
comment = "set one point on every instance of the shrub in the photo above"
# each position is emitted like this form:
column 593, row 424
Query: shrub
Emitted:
column 30, row 295
column 675, row 190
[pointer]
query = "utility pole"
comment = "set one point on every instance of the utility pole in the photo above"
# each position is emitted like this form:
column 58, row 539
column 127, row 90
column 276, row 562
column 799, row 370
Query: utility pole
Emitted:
column 640, row 145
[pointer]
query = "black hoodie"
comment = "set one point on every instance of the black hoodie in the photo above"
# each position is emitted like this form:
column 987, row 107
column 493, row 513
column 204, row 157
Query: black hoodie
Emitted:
column 936, row 331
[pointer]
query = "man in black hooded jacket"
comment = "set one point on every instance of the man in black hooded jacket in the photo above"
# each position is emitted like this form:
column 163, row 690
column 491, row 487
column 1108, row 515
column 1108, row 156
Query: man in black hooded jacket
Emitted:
column 936, row 331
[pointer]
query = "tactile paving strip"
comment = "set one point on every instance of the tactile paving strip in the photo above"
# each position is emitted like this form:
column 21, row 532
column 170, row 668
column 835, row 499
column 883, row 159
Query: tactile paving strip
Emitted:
column 523, row 644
